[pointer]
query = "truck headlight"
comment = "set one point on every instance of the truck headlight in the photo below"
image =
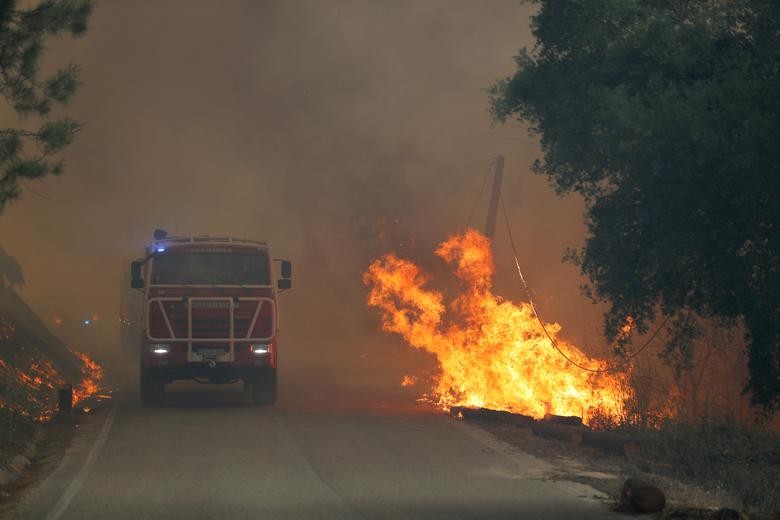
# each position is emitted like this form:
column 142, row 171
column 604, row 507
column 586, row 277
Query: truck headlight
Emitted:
column 260, row 349
column 159, row 348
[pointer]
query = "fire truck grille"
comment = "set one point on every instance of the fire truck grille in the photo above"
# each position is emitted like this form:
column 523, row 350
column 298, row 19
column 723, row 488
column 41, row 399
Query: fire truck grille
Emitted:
column 220, row 328
column 203, row 328
column 209, row 322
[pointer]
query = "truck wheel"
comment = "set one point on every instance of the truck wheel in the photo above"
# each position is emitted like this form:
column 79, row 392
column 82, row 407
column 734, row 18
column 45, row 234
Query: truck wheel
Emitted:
column 264, row 387
column 152, row 389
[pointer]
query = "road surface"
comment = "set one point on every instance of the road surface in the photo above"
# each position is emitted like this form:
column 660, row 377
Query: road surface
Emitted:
column 210, row 456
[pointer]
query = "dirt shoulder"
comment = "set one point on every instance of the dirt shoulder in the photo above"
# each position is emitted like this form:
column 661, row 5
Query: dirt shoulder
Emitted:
column 43, row 445
column 54, row 439
column 606, row 473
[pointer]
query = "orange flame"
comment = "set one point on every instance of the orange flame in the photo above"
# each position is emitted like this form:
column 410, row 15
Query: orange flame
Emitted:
column 492, row 352
column 409, row 380
column 627, row 328
column 37, row 386
column 92, row 374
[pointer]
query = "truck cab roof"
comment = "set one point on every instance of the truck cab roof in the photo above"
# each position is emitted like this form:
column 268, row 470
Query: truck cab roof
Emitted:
column 188, row 242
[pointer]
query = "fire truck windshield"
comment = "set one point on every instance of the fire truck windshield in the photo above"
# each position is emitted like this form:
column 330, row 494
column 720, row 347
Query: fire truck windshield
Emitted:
column 210, row 268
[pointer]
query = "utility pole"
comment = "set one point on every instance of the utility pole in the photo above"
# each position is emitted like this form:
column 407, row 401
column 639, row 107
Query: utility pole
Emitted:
column 495, row 198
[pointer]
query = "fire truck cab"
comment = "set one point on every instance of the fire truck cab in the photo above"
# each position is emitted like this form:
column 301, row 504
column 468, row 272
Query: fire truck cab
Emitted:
column 210, row 314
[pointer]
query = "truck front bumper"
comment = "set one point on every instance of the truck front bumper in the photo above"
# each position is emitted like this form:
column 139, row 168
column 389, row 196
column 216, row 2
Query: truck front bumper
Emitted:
column 214, row 372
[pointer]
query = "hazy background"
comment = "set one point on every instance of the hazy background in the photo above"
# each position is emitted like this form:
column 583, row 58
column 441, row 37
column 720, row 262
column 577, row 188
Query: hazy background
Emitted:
column 335, row 130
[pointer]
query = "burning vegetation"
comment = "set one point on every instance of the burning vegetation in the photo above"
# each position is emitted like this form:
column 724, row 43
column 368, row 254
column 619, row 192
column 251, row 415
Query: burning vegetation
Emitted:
column 491, row 352
column 31, row 391
column 92, row 374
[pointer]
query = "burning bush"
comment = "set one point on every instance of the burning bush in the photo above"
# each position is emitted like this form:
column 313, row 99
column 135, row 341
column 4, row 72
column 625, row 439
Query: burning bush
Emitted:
column 491, row 352
column 91, row 375
column 30, row 392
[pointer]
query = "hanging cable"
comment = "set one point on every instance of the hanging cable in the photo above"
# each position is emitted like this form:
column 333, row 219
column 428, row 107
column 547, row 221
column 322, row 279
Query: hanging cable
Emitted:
column 481, row 191
column 544, row 327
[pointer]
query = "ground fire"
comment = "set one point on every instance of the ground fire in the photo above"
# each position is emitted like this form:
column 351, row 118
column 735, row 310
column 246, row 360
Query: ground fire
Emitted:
column 491, row 352
column 92, row 374
column 38, row 384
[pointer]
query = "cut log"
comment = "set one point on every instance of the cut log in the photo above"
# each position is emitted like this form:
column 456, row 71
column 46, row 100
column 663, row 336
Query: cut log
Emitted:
column 566, row 420
column 611, row 442
column 485, row 414
column 548, row 430
column 638, row 496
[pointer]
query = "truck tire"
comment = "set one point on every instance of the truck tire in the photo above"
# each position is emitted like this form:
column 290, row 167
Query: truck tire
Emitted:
column 152, row 389
column 264, row 387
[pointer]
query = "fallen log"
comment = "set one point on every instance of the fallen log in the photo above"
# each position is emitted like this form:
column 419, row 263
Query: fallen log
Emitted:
column 566, row 420
column 638, row 496
column 611, row 442
column 548, row 430
column 486, row 414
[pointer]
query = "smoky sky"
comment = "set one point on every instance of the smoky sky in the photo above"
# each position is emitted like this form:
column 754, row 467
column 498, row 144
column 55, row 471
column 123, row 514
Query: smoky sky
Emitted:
column 335, row 130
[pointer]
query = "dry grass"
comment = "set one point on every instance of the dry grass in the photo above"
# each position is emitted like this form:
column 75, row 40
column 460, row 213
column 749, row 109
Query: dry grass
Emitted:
column 715, row 464
column 717, row 455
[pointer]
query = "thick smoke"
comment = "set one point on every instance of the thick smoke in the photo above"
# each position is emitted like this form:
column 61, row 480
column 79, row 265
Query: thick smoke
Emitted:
column 335, row 130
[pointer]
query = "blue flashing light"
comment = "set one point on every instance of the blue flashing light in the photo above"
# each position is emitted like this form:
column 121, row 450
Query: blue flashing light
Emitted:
column 160, row 249
column 87, row 322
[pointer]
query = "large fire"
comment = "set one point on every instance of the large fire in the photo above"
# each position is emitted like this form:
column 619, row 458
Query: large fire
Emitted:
column 491, row 352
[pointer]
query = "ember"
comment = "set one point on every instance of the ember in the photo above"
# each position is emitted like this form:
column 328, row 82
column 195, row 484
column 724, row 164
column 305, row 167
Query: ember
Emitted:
column 492, row 352
column 409, row 380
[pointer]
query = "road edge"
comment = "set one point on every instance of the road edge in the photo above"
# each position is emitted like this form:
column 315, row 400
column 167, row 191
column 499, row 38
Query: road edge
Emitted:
column 75, row 485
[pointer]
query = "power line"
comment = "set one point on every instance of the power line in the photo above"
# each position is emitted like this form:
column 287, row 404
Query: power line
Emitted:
column 481, row 191
column 544, row 327
column 33, row 190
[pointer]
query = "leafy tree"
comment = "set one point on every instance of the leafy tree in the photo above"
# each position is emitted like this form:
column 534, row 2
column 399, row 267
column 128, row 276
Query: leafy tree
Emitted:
column 27, row 154
column 665, row 116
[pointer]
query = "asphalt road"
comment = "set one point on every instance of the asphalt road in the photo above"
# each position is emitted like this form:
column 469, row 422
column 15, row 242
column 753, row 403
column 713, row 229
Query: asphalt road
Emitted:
column 207, row 455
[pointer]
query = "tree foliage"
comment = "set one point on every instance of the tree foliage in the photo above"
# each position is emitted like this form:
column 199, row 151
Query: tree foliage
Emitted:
column 27, row 154
column 665, row 116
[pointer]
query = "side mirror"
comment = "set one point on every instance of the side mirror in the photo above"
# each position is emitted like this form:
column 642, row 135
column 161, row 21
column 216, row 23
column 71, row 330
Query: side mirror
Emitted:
column 284, row 283
column 286, row 269
column 136, row 282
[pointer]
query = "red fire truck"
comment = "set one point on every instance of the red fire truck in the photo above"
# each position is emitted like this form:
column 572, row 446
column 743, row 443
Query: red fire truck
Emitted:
column 210, row 314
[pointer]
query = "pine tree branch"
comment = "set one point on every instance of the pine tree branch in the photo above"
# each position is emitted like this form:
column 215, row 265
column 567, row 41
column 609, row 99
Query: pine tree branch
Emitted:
column 20, row 133
column 33, row 135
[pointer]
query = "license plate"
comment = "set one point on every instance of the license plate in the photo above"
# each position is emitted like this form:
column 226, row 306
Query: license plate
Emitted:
column 211, row 352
